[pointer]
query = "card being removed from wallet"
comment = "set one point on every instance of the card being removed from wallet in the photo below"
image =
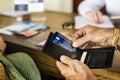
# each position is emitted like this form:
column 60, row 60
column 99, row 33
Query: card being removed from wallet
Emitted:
column 61, row 41
column 58, row 45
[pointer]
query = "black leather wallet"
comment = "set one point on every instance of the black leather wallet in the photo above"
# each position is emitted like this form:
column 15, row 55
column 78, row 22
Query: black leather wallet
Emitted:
column 57, row 45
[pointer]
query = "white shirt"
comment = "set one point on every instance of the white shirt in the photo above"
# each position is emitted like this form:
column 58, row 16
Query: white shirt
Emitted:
column 112, row 6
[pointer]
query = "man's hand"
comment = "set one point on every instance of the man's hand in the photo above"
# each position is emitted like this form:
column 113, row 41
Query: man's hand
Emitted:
column 74, row 69
column 94, row 17
column 2, row 45
column 68, row 36
column 93, row 36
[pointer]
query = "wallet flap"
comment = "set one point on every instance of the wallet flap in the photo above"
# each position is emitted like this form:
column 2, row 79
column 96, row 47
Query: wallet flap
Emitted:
column 99, row 57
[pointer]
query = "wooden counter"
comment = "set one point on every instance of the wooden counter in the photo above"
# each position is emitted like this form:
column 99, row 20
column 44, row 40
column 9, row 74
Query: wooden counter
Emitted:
column 44, row 62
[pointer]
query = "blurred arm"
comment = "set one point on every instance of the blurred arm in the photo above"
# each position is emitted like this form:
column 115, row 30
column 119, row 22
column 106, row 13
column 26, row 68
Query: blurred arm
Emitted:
column 90, row 5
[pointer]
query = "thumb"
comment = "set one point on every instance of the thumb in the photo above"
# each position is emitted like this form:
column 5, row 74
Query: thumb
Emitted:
column 66, row 60
column 61, row 66
column 80, row 42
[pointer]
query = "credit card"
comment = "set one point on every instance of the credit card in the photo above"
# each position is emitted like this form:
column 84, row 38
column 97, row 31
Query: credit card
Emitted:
column 61, row 41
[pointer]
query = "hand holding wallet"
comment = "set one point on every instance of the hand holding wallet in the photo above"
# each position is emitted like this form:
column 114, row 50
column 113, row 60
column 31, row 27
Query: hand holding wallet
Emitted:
column 57, row 45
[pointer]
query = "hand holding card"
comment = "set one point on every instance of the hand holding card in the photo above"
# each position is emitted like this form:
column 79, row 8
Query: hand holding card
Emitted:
column 58, row 45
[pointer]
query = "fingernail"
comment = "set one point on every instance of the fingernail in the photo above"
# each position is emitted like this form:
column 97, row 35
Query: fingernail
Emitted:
column 62, row 58
column 74, row 44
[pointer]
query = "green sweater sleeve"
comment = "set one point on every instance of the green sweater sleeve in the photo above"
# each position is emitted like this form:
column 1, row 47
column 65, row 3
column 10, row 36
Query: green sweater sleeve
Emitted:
column 12, row 72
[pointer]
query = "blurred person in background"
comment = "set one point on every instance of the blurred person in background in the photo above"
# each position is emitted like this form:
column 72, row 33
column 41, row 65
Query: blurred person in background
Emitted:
column 91, row 9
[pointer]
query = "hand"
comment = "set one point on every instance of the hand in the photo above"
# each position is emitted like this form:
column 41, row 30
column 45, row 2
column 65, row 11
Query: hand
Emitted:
column 74, row 69
column 95, row 17
column 2, row 45
column 93, row 36
column 68, row 36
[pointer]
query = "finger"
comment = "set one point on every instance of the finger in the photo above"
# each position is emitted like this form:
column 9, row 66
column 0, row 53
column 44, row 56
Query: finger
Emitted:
column 66, row 60
column 67, row 35
column 103, row 44
column 81, row 32
column 71, row 37
column 61, row 66
column 90, row 45
column 91, row 17
column 79, row 65
column 83, row 46
column 77, row 35
column 99, row 14
column 81, row 41
column 95, row 17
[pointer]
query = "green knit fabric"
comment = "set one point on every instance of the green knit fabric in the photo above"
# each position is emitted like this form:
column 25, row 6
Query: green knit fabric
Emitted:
column 20, row 66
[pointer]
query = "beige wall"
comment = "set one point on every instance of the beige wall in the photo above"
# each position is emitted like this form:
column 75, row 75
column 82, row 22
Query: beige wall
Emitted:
column 53, row 5
column 59, row 5
column 6, row 5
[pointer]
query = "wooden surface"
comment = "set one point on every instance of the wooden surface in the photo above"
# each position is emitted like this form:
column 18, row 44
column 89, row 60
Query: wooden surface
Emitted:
column 44, row 62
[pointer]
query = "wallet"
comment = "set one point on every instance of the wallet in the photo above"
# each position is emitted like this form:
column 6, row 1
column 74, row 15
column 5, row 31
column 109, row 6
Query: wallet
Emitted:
column 57, row 45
